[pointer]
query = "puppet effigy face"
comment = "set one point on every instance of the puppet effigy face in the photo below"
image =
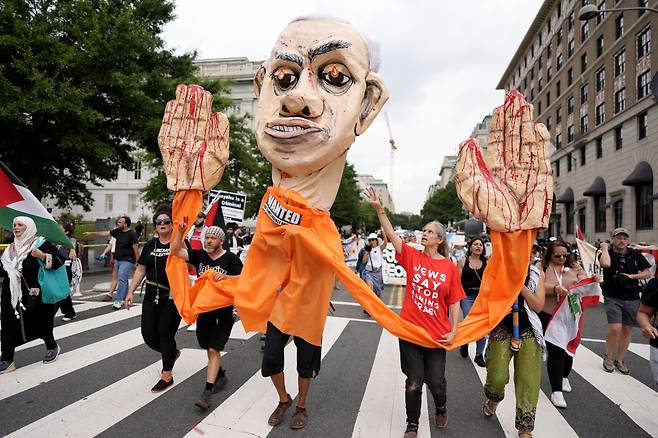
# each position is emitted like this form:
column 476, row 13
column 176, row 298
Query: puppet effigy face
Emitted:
column 316, row 94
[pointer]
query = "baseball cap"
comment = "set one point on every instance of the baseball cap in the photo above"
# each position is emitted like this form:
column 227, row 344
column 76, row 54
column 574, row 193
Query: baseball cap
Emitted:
column 620, row 230
column 372, row 236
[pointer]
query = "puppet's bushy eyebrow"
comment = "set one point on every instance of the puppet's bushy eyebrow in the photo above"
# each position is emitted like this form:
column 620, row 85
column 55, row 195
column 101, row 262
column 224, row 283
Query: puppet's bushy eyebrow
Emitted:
column 327, row 47
column 292, row 57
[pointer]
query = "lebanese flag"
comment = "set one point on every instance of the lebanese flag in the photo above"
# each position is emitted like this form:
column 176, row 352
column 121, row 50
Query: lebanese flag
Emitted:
column 214, row 215
column 564, row 329
column 17, row 200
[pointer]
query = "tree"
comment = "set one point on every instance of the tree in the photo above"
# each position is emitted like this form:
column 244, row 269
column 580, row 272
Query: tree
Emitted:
column 443, row 205
column 82, row 83
column 347, row 208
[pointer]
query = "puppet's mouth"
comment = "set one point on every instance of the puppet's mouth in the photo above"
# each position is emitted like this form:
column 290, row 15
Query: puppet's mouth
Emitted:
column 290, row 128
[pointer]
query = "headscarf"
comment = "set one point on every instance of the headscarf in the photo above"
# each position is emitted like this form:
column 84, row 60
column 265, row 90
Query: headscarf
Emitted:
column 13, row 257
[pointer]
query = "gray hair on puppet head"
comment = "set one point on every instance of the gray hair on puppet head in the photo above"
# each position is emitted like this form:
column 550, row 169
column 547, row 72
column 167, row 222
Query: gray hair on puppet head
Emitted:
column 374, row 58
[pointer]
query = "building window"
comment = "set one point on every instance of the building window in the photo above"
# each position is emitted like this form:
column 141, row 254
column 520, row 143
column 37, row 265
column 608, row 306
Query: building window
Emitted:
column 600, row 80
column 618, row 213
column 583, row 124
column 548, row 100
column 570, row 48
column 583, row 94
column 559, row 36
column 571, row 20
column 548, row 123
column 600, row 113
column 570, row 76
column 539, row 63
column 532, row 73
column 642, row 122
column 619, row 137
column 569, row 213
column 584, row 31
column 599, row 147
column 620, row 100
column 532, row 94
column 539, row 107
column 583, row 63
column 643, row 82
column 644, row 43
column 582, row 219
column 583, row 156
column 549, row 74
column 549, row 50
column 570, row 134
column 619, row 25
column 557, row 167
column 559, row 9
column 599, row 214
column 569, row 162
column 644, row 207
column 620, row 62
column 599, row 46
column 132, row 202
column 558, row 142
column 558, row 115
column 109, row 203
column 601, row 16
column 570, row 105
column 137, row 169
column 558, row 62
column 558, row 89
column 525, row 83
column 540, row 84
column 642, row 4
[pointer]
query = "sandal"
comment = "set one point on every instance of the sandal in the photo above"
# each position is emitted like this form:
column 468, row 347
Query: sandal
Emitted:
column 279, row 412
column 525, row 435
column 299, row 418
column 489, row 408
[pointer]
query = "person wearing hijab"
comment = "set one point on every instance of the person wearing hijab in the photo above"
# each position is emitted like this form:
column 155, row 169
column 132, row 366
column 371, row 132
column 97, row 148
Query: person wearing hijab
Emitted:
column 24, row 316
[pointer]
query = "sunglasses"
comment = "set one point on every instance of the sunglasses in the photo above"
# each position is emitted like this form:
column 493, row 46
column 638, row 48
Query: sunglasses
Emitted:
column 561, row 254
column 163, row 222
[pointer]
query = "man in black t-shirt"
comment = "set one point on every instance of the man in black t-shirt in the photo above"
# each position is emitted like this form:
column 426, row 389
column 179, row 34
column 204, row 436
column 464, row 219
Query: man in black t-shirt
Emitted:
column 125, row 255
column 622, row 268
column 212, row 328
column 647, row 319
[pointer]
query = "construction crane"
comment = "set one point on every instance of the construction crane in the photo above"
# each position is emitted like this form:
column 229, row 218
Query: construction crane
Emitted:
column 391, row 142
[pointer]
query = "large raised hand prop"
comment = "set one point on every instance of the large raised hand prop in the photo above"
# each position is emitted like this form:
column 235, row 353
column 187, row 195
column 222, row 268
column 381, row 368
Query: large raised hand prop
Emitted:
column 193, row 140
column 511, row 188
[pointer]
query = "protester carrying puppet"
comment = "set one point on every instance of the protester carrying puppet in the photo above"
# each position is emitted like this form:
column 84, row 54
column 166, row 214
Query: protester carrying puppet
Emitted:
column 160, row 318
column 471, row 270
column 24, row 315
column 647, row 319
column 212, row 328
column 431, row 301
column 526, row 350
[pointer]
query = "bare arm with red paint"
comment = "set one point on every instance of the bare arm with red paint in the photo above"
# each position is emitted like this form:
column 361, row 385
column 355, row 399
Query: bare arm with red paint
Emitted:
column 512, row 187
column 193, row 141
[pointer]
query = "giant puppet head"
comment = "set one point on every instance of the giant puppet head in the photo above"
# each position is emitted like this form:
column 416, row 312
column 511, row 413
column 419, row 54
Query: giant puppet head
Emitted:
column 318, row 91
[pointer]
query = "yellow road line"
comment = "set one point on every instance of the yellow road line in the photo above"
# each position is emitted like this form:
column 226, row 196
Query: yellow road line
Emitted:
column 390, row 296
column 400, row 295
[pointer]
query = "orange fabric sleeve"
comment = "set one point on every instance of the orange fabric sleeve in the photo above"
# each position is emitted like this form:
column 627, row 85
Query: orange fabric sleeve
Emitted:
column 288, row 278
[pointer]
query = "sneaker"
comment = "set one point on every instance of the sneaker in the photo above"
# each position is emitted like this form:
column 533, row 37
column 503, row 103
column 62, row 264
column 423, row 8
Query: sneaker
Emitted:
column 69, row 318
column 204, row 400
column 622, row 368
column 479, row 360
column 299, row 418
column 117, row 305
column 192, row 328
column 463, row 350
column 441, row 418
column 608, row 364
column 220, row 382
column 279, row 412
column 7, row 367
column 51, row 355
column 566, row 386
column 557, row 398
column 411, row 430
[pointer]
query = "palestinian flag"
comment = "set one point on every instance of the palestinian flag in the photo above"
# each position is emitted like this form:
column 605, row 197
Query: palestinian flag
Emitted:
column 214, row 215
column 17, row 200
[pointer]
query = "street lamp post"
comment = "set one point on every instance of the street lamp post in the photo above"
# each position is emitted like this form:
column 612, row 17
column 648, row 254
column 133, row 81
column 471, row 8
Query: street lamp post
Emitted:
column 588, row 12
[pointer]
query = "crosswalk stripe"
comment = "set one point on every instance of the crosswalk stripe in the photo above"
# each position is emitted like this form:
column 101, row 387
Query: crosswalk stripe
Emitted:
column 641, row 350
column 238, row 332
column 245, row 412
column 632, row 396
column 79, row 326
column 382, row 412
column 548, row 421
column 115, row 402
column 84, row 306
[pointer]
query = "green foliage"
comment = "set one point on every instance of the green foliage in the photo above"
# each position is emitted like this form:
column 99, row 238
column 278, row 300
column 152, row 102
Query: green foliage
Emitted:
column 407, row 222
column 347, row 209
column 82, row 84
column 69, row 218
column 443, row 205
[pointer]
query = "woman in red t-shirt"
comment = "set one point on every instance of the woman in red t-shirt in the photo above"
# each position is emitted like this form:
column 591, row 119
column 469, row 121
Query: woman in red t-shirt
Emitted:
column 431, row 301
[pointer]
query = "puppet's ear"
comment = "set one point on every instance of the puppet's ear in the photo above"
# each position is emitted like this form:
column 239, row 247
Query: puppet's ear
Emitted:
column 374, row 98
column 258, row 79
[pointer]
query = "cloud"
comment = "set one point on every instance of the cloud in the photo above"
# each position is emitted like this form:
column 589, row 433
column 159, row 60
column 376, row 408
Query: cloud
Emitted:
column 441, row 62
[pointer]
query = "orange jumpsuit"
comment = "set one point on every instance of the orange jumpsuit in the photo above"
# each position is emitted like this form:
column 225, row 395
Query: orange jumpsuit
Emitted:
column 288, row 276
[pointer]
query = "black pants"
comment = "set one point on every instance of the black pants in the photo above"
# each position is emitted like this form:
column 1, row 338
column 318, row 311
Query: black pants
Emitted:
column 35, row 322
column 159, row 326
column 559, row 362
column 66, row 305
column 422, row 365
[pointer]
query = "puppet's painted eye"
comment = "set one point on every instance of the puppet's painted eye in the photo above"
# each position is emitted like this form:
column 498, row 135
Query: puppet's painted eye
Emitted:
column 336, row 77
column 285, row 78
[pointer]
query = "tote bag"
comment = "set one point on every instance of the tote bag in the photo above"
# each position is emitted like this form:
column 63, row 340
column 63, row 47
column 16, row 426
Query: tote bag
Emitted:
column 54, row 282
